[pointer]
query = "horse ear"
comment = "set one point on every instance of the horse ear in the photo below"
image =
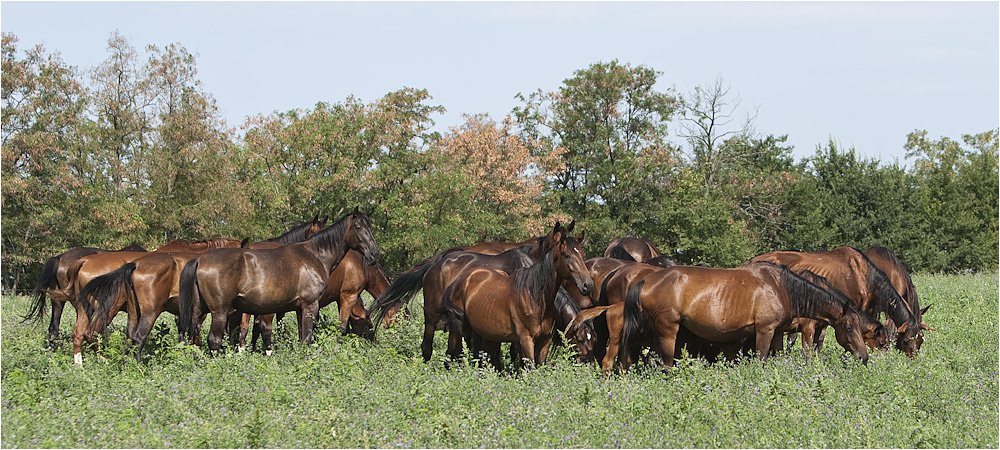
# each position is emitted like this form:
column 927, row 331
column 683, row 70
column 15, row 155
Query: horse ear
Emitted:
column 246, row 241
column 580, row 237
column 356, row 211
column 847, row 307
column 570, row 226
column 924, row 311
column 316, row 218
column 370, row 211
column 556, row 226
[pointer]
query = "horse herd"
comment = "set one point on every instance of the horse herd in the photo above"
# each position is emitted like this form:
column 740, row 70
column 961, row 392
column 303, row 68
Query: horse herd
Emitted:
column 489, row 293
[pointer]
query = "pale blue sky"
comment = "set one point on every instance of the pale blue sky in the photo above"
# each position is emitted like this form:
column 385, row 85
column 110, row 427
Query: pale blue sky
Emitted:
column 864, row 73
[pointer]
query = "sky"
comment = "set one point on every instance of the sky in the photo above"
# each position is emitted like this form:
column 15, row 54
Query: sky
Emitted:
column 864, row 74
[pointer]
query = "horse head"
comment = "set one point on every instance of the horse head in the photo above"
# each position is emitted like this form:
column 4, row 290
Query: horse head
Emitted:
column 569, row 260
column 360, row 236
column 849, row 330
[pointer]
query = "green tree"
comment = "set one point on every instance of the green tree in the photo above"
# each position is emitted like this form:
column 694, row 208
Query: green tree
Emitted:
column 43, row 104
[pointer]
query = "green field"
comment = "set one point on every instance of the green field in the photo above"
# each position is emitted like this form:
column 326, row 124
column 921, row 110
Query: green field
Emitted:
column 346, row 392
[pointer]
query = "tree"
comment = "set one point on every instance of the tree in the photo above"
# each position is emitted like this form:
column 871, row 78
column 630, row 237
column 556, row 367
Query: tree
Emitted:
column 608, row 123
column 709, row 116
column 43, row 105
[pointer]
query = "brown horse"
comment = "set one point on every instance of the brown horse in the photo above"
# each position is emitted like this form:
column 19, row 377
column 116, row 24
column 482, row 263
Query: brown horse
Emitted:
column 632, row 249
column 887, row 261
column 150, row 286
column 852, row 273
column 291, row 277
column 436, row 273
column 54, row 281
column 519, row 307
column 352, row 276
column 725, row 306
column 87, row 268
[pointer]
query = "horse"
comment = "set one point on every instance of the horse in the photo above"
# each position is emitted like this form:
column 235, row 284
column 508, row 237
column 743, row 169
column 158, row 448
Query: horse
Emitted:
column 854, row 274
column 725, row 306
column 518, row 306
column 345, row 284
column 877, row 336
column 54, row 281
column 87, row 268
column 150, row 285
column 632, row 249
column 434, row 274
column 290, row 277
column 887, row 261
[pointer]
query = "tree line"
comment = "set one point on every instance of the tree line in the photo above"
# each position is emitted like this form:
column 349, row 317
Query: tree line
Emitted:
column 135, row 150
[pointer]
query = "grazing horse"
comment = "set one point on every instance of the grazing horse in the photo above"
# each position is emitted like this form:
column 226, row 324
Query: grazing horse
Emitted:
column 150, row 285
column 632, row 249
column 725, row 306
column 436, row 273
column 89, row 267
column 887, row 261
column 55, row 281
column 851, row 272
column 287, row 278
column 518, row 306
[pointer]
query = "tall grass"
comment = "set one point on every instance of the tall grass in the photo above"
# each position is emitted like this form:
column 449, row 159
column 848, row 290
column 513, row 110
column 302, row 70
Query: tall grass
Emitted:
column 346, row 392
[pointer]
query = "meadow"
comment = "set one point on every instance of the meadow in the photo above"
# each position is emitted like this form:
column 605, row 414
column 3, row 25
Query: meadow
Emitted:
column 343, row 391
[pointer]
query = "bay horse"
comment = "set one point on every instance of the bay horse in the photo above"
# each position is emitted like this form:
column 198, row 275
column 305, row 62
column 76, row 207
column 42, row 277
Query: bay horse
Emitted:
column 149, row 285
column 288, row 278
column 887, row 261
column 85, row 269
column 54, row 281
column 851, row 272
column 519, row 306
column 632, row 249
column 344, row 286
column 434, row 274
column 724, row 306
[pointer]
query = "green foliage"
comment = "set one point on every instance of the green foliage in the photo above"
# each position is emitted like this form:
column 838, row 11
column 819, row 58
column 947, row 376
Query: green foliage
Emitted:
column 345, row 392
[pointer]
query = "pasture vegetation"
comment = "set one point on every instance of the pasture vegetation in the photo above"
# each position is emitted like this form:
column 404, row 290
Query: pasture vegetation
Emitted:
column 343, row 391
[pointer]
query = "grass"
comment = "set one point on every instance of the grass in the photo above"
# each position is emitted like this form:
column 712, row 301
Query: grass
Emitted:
column 345, row 392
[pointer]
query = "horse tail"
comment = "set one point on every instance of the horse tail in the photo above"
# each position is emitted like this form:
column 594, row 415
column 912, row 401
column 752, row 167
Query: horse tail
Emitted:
column 403, row 289
column 602, row 299
column 105, row 291
column 188, row 287
column 46, row 280
column 632, row 318
column 619, row 252
column 450, row 312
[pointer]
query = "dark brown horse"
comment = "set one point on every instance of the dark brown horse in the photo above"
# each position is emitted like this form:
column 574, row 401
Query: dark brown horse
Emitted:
column 851, row 272
column 436, row 273
column 55, row 281
column 632, row 249
column 725, row 306
column 517, row 306
column 149, row 285
column 887, row 261
column 289, row 278
column 352, row 276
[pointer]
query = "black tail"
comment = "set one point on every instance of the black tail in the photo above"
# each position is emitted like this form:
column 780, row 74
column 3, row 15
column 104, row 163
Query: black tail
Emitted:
column 46, row 280
column 100, row 296
column 403, row 289
column 632, row 318
column 188, row 291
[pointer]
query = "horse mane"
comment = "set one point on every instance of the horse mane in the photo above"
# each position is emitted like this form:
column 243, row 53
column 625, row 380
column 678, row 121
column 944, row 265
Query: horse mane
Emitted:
column 536, row 281
column 823, row 284
column 298, row 233
column 602, row 299
column 911, row 291
column 805, row 296
column 888, row 300
column 332, row 237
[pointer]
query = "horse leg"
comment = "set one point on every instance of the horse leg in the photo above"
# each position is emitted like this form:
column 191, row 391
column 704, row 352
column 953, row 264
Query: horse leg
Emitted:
column 765, row 340
column 527, row 350
column 820, row 335
column 141, row 333
column 543, row 344
column 57, row 310
column 245, row 320
column 80, row 334
column 266, row 331
column 218, row 329
column 667, row 342
column 492, row 349
column 427, row 345
column 307, row 320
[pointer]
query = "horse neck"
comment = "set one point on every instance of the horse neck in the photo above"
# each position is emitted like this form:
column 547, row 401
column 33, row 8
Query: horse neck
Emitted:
column 811, row 301
column 881, row 290
column 538, row 282
column 329, row 245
